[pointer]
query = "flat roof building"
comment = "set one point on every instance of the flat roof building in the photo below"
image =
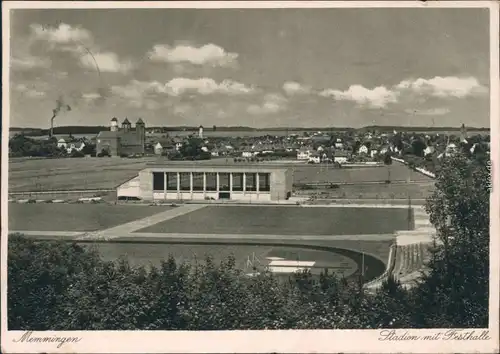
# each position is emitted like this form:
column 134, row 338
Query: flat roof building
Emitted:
column 210, row 181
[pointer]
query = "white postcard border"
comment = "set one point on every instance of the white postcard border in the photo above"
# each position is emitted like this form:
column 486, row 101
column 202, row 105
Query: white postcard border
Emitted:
column 289, row 341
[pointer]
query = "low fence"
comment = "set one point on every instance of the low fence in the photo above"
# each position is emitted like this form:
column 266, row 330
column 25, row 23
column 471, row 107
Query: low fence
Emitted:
column 391, row 262
column 419, row 169
column 67, row 196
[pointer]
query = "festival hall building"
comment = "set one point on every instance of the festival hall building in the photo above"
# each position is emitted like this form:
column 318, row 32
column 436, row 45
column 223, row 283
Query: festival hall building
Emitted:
column 210, row 180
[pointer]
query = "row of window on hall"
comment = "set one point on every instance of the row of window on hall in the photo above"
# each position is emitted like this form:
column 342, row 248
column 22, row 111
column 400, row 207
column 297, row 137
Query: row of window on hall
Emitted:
column 210, row 182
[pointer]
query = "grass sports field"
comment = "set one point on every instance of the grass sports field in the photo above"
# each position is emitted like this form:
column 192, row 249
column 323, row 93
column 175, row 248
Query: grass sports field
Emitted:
column 342, row 256
column 107, row 173
column 398, row 172
column 274, row 220
column 75, row 217
column 374, row 191
column 72, row 173
column 336, row 256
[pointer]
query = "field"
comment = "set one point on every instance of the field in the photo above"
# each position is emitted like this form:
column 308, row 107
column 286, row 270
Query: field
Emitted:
column 398, row 172
column 75, row 217
column 373, row 191
column 33, row 175
column 72, row 173
column 271, row 220
column 342, row 255
column 334, row 256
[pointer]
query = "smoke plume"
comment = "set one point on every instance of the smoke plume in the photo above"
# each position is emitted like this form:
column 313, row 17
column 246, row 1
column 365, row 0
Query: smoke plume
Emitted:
column 60, row 107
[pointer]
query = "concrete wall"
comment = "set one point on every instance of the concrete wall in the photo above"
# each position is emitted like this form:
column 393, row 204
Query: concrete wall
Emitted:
column 146, row 184
column 131, row 188
column 278, row 185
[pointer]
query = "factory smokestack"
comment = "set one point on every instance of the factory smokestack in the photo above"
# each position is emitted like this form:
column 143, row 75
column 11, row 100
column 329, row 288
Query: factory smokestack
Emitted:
column 60, row 107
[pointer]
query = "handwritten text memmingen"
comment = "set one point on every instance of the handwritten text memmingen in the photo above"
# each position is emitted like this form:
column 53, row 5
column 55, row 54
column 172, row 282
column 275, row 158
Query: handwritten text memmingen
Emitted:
column 28, row 337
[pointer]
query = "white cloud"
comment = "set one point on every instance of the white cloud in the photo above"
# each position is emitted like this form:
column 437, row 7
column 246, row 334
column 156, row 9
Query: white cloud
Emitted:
column 179, row 86
column 29, row 91
column 206, row 86
column 80, row 42
column 272, row 103
column 63, row 34
column 135, row 89
column 429, row 112
column 292, row 88
column 30, row 62
column 378, row 97
column 106, row 62
column 209, row 54
column 412, row 89
column 450, row 86
column 91, row 96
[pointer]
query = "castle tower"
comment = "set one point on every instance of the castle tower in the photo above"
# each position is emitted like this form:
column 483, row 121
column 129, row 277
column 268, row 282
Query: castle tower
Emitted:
column 126, row 126
column 200, row 132
column 140, row 130
column 114, row 125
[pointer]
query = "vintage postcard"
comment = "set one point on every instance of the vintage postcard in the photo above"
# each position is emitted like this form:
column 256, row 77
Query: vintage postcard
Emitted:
column 250, row 177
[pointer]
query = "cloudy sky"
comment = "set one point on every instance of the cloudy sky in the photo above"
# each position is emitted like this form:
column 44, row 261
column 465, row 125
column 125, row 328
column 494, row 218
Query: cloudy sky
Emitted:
column 260, row 68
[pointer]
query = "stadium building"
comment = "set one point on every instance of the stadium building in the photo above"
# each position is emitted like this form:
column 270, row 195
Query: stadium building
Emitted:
column 203, row 181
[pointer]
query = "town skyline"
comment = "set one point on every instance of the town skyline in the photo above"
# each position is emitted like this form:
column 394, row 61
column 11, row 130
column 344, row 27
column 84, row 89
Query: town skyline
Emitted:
column 277, row 68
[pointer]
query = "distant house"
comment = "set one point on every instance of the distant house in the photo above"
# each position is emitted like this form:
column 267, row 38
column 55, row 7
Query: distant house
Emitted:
column 326, row 157
column 315, row 158
column 178, row 145
column 429, row 150
column 247, row 154
column 373, row 152
column 304, row 153
column 363, row 150
column 78, row 146
column 451, row 147
column 384, row 149
column 340, row 157
column 158, row 149
column 61, row 144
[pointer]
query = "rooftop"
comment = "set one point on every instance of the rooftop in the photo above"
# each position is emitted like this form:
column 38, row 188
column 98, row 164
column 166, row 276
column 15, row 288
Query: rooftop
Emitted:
column 219, row 164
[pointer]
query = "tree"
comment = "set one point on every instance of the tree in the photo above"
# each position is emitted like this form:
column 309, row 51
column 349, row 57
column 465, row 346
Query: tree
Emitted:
column 388, row 163
column 455, row 291
column 191, row 149
column 418, row 147
column 89, row 149
column 39, row 274
column 357, row 145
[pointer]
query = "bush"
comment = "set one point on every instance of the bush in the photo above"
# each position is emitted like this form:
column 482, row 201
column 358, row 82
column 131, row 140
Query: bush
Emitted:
column 76, row 153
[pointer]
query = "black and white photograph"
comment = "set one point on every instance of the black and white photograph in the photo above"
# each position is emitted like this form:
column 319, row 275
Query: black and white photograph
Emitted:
column 250, row 177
